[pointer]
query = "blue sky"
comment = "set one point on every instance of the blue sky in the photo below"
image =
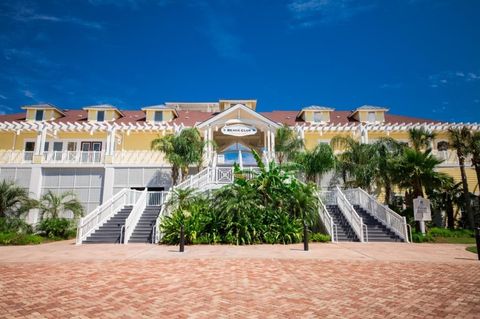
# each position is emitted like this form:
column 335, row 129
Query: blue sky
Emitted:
column 417, row 57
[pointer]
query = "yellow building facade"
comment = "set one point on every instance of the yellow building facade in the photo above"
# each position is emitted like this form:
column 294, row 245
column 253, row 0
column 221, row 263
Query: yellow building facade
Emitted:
column 99, row 150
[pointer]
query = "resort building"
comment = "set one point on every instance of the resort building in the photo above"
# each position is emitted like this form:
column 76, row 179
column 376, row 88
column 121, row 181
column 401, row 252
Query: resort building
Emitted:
column 99, row 150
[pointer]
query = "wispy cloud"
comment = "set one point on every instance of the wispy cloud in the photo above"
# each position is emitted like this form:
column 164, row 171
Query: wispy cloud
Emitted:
column 22, row 12
column 133, row 4
column 29, row 94
column 452, row 78
column 391, row 85
column 308, row 13
column 3, row 97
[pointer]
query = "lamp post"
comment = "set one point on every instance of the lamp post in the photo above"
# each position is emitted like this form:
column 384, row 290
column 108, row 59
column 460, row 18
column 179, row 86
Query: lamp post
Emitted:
column 305, row 236
column 182, row 239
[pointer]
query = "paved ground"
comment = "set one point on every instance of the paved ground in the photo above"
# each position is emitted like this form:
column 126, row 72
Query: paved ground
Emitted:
column 351, row 280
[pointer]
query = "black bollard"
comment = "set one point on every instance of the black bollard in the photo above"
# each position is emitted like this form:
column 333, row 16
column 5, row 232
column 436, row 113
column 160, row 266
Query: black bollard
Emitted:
column 182, row 240
column 305, row 237
column 477, row 239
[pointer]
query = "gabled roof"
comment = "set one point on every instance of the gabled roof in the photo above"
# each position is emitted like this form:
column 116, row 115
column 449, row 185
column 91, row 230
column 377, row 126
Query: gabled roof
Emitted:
column 103, row 107
column 160, row 107
column 314, row 108
column 43, row 106
column 235, row 108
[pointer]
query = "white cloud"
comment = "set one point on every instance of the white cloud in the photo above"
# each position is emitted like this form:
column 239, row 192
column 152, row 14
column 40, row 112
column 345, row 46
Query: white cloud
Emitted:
column 307, row 13
column 3, row 97
column 24, row 13
column 391, row 85
column 460, row 74
column 28, row 93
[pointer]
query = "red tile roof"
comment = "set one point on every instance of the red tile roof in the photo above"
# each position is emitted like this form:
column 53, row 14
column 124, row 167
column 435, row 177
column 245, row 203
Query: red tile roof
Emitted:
column 190, row 118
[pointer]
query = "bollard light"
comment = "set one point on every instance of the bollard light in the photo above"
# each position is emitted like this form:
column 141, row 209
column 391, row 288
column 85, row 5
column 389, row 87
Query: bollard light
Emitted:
column 182, row 239
column 305, row 236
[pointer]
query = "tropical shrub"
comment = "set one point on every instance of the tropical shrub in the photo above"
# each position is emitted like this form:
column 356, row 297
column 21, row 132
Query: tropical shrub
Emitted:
column 320, row 238
column 14, row 200
column 421, row 238
column 57, row 228
column 54, row 206
column 12, row 238
column 15, row 225
column 269, row 206
column 443, row 232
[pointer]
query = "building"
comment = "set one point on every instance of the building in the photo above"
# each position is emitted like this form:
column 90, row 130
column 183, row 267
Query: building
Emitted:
column 100, row 149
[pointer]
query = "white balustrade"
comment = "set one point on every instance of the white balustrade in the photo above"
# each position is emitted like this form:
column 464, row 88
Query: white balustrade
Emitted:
column 384, row 214
column 74, row 157
column 134, row 216
column 139, row 157
column 102, row 213
column 15, row 156
column 327, row 220
column 350, row 214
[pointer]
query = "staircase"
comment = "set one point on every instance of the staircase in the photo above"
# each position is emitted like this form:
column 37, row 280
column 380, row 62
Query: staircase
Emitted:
column 344, row 231
column 143, row 230
column 377, row 232
column 109, row 232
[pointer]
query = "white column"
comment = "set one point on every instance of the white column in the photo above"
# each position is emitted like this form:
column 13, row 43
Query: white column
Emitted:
column 35, row 191
column 108, row 182
column 107, row 146
column 40, row 141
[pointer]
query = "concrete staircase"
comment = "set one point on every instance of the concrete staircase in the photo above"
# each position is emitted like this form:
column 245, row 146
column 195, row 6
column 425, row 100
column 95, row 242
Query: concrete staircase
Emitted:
column 109, row 232
column 377, row 232
column 143, row 230
column 344, row 230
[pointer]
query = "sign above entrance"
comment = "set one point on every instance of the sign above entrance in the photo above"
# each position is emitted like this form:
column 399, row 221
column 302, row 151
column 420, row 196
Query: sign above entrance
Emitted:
column 239, row 130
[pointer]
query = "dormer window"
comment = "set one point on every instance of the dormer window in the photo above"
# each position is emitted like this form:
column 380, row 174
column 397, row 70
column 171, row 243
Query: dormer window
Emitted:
column 320, row 117
column 371, row 117
column 100, row 116
column 39, row 115
column 158, row 116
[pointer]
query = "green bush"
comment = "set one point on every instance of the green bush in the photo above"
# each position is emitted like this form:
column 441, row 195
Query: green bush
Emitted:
column 444, row 232
column 420, row 238
column 19, row 239
column 15, row 225
column 320, row 238
column 56, row 228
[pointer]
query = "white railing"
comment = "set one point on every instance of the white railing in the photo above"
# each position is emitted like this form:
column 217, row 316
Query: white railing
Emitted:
column 156, row 198
column 15, row 156
column 139, row 157
column 134, row 216
column 328, row 197
column 164, row 211
column 350, row 214
column 102, row 213
column 327, row 220
column 385, row 215
column 87, row 157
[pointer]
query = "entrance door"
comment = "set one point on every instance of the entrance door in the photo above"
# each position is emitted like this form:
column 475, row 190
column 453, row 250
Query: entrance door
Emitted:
column 91, row 152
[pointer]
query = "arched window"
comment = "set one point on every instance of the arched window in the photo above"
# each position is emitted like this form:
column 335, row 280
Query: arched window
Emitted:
column 442, row 146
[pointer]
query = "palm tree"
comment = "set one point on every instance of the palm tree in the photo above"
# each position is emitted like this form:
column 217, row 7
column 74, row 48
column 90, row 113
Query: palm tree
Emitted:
column 415, row 170
column 475, row 149
column 357, row 160
column 181, row 151
column 445, row 197
column 287, row 144
column 420, row 138
column 387, row 150
column 14, row 200
column 459, row 141
column 52, row 205
column 316, row 162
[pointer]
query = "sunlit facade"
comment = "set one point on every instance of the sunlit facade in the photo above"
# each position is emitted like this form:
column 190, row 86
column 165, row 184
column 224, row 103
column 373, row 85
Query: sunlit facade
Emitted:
column 99, row 150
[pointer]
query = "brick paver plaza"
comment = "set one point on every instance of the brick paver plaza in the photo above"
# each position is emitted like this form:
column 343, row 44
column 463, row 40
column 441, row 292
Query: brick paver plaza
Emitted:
column 348, row 280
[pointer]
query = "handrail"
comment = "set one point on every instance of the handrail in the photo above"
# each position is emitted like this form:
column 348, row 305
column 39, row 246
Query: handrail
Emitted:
column 163, row 212
column 384, row 214
column 350, row 214
column 327, row 220
column 88, row 224
column 134, row 216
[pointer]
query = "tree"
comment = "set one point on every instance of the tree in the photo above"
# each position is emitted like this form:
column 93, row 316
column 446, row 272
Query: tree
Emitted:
column 357, row 161
column 52, row 205
column 316, row 162
column 475, row 149
column 14, row 200
column 420, row 138
column 459, row 141
column 181, row 151
column 287, row 144
column 387, row 150
column 445, row 197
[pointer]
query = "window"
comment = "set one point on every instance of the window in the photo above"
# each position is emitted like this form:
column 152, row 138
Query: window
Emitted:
column 442, row 146
column 158, row 116
column 100, row 116
column 371, row 117
column 72, row 146
column 57, row 146
column 29, row 146
column 317, row 116
column 45, row 147
column 39, row 115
